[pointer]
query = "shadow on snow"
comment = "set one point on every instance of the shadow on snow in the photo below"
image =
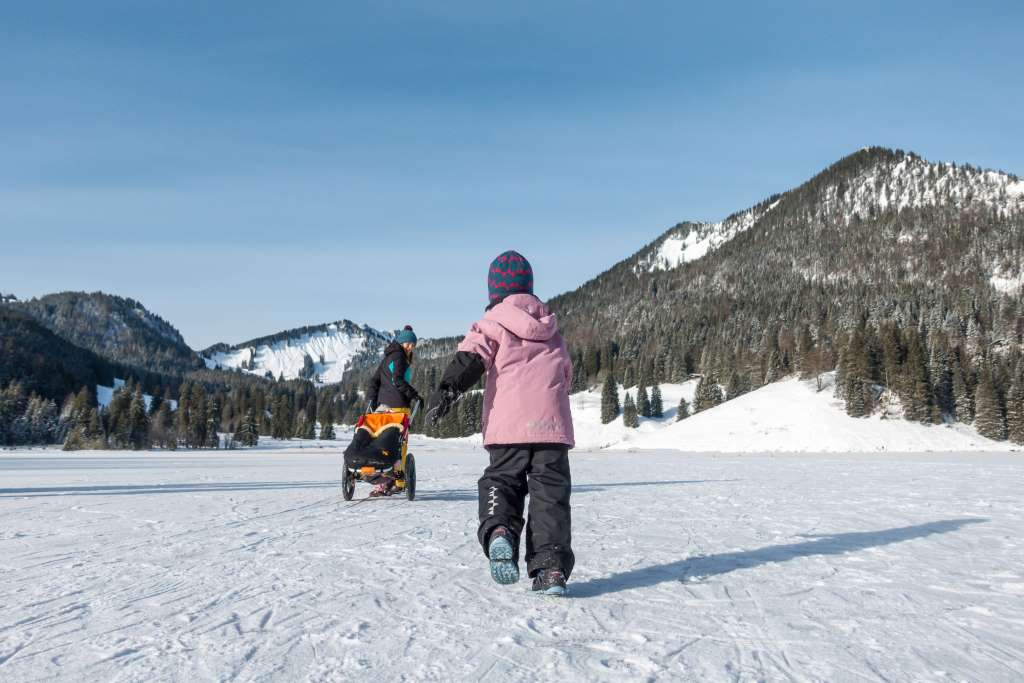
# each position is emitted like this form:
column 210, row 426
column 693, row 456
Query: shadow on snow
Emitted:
column 455, row 495
column 145, row 489
column 448, row 495
column 703, row 566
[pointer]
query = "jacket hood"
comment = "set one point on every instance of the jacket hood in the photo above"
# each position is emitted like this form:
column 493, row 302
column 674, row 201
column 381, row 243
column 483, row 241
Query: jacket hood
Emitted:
column 525, row 316
column 392, row 347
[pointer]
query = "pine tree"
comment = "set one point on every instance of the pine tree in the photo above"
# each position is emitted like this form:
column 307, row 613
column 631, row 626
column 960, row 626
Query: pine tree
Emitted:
column 162, row 426
column 917, row 390
column 962, row 399
column 609, row 399
column 643, row 403
column 183, row 415
column 138, row 421
column 248, row 431
column 708, row 394
column 628, row 374
column 773, row 367
column 941, row 374
column 579, row 377
column 989, row 418
column 856, row 383
column 657, row 407
column 282, row 418
column 803, row 363
column 154, row 404
column 119, row 417
column 683, row 411
column 326, row 426
column 629, row 413
column 198, row 423
column 212, row 424
column 1015, row 405
column 95, row 430
column 734, row 387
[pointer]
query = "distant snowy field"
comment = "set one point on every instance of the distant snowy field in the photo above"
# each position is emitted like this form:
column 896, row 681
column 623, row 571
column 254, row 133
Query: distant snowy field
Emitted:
column 250, row 566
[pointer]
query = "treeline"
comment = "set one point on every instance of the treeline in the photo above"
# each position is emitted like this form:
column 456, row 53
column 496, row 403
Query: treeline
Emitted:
column 198, row 416
column 29, row 419
column 935, row 375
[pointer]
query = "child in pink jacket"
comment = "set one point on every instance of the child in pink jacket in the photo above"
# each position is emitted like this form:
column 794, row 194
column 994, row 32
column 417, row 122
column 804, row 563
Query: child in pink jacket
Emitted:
column 527, row 426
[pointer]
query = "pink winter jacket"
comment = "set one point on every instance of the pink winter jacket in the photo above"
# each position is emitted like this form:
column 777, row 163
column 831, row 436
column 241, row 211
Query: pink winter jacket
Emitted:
column 529, row 373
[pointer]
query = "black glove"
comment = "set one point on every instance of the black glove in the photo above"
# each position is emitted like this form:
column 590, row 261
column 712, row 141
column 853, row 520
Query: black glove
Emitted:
column 440, row 404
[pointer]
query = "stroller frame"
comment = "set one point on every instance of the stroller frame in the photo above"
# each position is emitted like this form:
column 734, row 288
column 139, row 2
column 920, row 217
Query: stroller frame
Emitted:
column 402, row 473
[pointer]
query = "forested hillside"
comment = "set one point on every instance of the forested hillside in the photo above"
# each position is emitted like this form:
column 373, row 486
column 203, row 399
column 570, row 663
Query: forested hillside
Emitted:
column 902, row 273
column 118, row 329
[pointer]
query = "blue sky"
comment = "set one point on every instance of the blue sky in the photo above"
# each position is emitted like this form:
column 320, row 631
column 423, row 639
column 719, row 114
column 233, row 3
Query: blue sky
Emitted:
column 245, row 167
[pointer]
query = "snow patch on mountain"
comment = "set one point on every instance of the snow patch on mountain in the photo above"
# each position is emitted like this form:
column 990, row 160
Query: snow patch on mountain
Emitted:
column 329, row 348
column 693, row 240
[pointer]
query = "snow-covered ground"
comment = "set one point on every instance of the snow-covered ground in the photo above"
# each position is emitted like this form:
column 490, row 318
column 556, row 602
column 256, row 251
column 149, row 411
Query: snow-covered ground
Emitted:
column 787, row 416
column 586, row 415
column 249, row 565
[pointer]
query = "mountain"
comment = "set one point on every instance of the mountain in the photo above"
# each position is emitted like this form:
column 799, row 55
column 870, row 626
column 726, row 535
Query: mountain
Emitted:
column 44, row 362
column 119, row 329
column 921, row 259
column 878, row 218
column 866, row 184
column 321, row 352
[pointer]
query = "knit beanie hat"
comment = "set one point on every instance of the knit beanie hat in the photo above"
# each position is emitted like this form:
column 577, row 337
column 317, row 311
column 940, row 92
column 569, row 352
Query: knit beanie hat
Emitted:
column 406, row 336
column 510, row 273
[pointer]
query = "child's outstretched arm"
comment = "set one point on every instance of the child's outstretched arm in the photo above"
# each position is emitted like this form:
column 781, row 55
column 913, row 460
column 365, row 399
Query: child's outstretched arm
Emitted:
column 475, row 355
column 462, row 373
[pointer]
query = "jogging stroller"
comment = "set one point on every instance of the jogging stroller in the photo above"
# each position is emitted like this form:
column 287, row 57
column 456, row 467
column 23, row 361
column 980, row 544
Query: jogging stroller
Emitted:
column 379, row 455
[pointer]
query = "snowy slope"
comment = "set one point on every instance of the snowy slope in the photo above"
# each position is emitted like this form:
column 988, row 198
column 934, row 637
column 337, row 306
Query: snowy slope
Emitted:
column 786, row 416
column 791, row 416
column 331, row 348
column 251, row 567
column 586, row 415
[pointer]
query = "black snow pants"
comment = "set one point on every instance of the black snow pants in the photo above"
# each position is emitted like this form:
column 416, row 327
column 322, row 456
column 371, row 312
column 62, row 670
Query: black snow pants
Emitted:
column 542, row 470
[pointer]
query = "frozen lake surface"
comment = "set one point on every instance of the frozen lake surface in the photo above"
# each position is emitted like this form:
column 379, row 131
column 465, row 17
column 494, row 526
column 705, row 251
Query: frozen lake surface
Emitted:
column 250, row 566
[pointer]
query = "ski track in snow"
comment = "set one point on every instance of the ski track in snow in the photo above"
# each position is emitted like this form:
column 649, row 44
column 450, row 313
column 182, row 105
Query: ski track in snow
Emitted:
column 251, row 566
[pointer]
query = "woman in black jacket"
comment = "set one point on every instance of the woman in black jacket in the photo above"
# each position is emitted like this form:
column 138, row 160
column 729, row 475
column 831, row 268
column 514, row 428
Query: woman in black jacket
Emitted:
column 391, row 385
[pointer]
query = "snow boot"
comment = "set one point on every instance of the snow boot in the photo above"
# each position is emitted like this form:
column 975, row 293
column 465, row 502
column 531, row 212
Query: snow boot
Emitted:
column 550, row 582
column 504, row 569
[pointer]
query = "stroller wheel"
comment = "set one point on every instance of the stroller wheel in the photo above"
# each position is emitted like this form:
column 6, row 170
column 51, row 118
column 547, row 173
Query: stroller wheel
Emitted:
column 348, row 484
column 410, row 477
